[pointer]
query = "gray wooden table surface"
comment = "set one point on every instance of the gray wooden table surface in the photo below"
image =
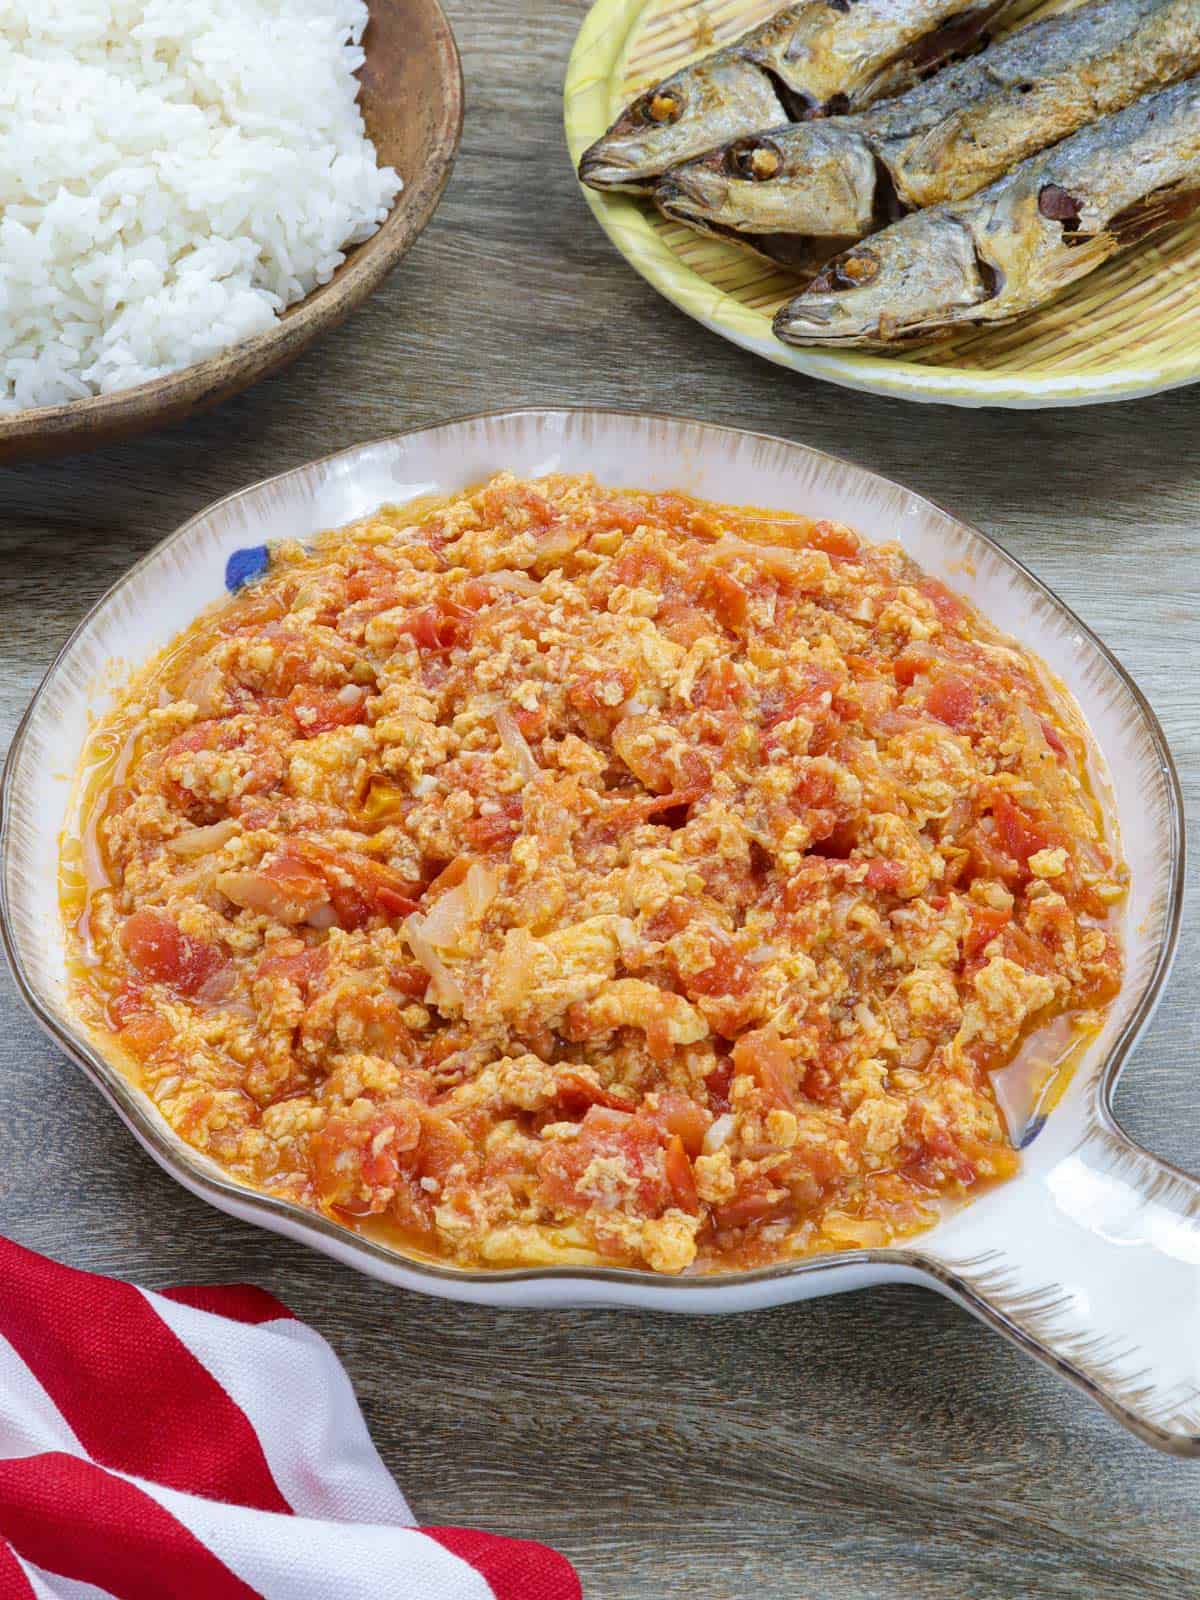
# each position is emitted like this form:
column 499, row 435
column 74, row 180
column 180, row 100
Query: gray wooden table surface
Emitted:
column 874, row 1445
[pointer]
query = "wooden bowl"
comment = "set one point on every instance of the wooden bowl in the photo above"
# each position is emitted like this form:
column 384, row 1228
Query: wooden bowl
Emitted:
column 412, row 103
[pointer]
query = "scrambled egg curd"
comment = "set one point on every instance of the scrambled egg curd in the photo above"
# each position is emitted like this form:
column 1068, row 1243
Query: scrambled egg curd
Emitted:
column 561, row 876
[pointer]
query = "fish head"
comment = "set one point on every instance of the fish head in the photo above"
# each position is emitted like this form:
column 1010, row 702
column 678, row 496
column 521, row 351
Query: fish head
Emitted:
column 920, row 274
column 817, row 179
column 700, row 107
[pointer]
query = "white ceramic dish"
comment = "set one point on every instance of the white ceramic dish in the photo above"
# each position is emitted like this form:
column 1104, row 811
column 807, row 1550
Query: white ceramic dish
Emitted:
column 1089, row 1259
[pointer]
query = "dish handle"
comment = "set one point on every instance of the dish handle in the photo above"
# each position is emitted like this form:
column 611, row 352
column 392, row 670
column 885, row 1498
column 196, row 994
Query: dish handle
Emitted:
column 1095, row 1271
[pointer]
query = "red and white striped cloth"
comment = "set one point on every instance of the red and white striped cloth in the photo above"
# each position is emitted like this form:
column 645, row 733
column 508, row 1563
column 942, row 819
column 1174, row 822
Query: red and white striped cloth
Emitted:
column 204, row 1443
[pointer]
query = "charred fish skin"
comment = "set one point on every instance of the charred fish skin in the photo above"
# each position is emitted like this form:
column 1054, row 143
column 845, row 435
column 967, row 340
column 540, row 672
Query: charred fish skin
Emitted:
column 816, row 59
column 945, row 139
column 1013, row 246
column 1039, row 86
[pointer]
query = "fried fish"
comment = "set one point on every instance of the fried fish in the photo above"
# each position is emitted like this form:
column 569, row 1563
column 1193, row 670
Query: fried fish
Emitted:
column 843, row 178
column 812, row 60
column 1014, row 245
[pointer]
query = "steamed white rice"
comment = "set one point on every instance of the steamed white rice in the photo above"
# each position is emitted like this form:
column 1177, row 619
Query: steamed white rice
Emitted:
column 173, row 174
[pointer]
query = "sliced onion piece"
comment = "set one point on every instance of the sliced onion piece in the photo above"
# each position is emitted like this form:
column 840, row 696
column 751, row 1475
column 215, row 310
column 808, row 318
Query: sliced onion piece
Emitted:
column 514, row 743
column 444, row 991
column 776, row 558
column 453, row 912
column 717, row 1133
column 447, row 920
column 515, row 581
column 200, row 841
column 482, row 886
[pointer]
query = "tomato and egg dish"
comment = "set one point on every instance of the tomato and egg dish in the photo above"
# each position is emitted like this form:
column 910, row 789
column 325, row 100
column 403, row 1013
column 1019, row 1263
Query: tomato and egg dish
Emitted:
column 561, row 876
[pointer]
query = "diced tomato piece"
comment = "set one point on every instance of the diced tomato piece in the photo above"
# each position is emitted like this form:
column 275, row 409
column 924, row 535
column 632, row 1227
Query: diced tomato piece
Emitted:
column 295, row 875
column 318, row 710
column 952, row 701
column 476, row 593
column 301, row 967
column 635, row 564
column 729, row 974
column 161, row 953
column 451, row 875
column 757, row 1203
column 533, row 724
column 444, row 1145
column 680, row 512
column 409, row 980
column 620, row 513
column 600, row 694
column 677, row 1116
column 681, row 1177
column 682, row 621
column 372, row 579
column 131, row 1014
column 727, row 599
column 940, row 1161
column 356, row 903
column 833, row 539
column 912, row 660
column 884, row 876
column 352, row 907
column 1021, row 946
column 1053, row 738
column 145, row 1033
column 576, row 1094
column 670, row 919
column 396, row 905
column 946, row 603
column 718, row 1085
column 718, row 688
column 607, row 1134
column 815, row 791
column 986, row 923
column 621, row 815
column 374, row 887
column 519, row 504
column 803, row 700
column 815, row 800
column 129, row 1000
column 490, row 833
column 497, row 830
column 438, row 628
column 356, row 1161
column 1020, row 835
column 764, row 1056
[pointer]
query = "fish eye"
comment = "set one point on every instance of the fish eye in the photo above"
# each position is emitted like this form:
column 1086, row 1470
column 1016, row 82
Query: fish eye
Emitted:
column 857, row 268
column 755, row 159
column 661, row 107
column 850, row 271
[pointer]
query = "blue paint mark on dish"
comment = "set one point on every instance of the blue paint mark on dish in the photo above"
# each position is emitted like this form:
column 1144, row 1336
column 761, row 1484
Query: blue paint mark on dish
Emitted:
column 1036, row 1124
column 244, row 566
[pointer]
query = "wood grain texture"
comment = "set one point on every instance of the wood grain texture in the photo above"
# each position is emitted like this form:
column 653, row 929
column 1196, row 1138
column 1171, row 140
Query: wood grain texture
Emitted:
column 848, row 1449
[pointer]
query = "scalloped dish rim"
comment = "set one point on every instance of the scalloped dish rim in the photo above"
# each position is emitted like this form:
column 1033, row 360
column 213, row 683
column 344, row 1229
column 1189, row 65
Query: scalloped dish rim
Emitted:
column 539, row 432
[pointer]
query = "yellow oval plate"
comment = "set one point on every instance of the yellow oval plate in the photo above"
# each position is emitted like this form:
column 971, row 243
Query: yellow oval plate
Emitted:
column 1132, row 328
